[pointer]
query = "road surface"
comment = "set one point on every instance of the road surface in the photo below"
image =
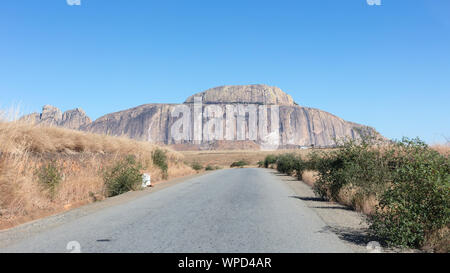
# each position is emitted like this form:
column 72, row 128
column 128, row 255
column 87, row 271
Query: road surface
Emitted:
column 233, row 210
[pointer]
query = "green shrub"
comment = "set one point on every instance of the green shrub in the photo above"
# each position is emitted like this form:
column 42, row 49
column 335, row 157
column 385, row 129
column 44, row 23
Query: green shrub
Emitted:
column 159, row 158
column 269, row 160
column 49, row 176
column 122, row 177
column 300, row 166
column 197, row 166
column 240, row 163
column 417, row 203
column 212, row 168
column 314, row 160
column 286, row 163
column 260, row 164
column 361, row 166
column 410, row 181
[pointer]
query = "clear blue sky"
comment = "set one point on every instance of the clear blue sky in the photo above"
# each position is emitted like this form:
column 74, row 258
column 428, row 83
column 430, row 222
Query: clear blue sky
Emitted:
column 385, row 66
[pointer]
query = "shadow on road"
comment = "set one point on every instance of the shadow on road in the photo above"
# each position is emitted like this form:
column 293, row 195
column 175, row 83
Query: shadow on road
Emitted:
column 317, row 199
column 352, row 235
column 356, row 236
column 322, row 201
column 332, row 207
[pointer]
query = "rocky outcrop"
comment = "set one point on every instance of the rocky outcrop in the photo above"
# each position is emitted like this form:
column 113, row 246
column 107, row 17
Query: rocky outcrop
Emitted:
column 74, row 119
column 297, row 126
column 52, row 116
column 256, row 93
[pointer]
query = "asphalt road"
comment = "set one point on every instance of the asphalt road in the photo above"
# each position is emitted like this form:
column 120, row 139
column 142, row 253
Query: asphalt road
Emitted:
column 236, row 210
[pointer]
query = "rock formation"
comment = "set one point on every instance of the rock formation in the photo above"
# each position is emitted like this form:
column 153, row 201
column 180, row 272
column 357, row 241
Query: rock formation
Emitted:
column 74, row 119
column 297, row 126
column 52, row 116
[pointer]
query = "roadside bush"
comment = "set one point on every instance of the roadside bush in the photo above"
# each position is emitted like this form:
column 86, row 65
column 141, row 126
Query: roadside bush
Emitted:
column 260, row 164
column 49, row 176
column 314, row 160
column 286, row 163
column 197, row 166
column 300, row 166
column 269, row 160
column 122, row 177
column 290, row 163
column 417, row 204
column 159, row 158
column 240, row 163
column 358, row 166
column 409, row 181
column 403, row 185
column 212, row 168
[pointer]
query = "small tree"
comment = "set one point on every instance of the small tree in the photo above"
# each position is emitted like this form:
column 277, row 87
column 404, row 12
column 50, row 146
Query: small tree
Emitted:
column 122, row 177
column 159, row 158
column 197, row 166
column 50, row 177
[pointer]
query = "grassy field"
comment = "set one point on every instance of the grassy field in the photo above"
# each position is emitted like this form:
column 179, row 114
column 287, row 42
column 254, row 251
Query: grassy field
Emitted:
column 225, row 158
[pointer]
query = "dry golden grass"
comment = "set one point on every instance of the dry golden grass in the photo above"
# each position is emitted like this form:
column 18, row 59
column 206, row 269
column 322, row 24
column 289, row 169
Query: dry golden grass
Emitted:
column 365, row 204
column 350, row 196
column 80, row 156
column 225, row 158
column 443, row 149
column 438, row 241
column 309, row 177
column 346, row 196
column 21, row 137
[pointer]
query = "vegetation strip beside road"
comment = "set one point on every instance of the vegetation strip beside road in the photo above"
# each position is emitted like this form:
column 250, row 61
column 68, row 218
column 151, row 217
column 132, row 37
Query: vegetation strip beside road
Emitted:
column 403, row 187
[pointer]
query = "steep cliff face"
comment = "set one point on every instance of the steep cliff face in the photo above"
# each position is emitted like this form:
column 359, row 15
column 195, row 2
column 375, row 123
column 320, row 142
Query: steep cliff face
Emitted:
column 149, row 122
column 299, row 126
column 52, row 116
column 303, row 126
column 219, row 114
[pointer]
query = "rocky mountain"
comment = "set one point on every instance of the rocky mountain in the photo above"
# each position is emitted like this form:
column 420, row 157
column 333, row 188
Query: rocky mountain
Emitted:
column 52, row 116
column 219, row 118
